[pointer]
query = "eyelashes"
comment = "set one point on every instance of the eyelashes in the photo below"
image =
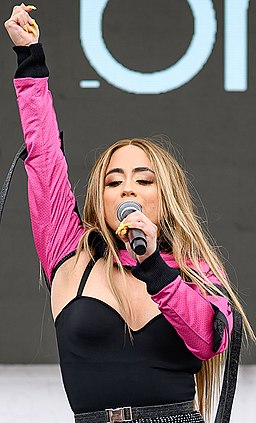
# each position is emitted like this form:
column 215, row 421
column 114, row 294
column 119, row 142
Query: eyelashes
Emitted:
column 113, row 184
column 144, row 182
column 139, row 181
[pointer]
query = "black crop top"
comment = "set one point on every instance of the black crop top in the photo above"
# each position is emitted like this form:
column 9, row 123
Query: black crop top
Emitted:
column 102, row 368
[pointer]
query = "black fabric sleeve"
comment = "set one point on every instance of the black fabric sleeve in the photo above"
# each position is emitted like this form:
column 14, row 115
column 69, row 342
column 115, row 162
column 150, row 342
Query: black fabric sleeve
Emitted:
column 31, row 61
column 155, row 273
column 219, row 324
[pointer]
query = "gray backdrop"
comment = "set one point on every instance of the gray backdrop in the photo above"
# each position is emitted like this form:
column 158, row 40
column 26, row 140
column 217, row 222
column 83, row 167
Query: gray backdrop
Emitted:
column 213, row 130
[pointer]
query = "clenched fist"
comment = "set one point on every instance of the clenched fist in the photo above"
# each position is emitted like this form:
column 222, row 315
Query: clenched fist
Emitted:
column 21, row 28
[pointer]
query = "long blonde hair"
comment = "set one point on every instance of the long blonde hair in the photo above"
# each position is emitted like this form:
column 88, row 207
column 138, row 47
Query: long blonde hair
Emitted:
column 180, row 229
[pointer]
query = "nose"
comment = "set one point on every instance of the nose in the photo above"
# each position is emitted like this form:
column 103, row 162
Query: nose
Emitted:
column 128, row 191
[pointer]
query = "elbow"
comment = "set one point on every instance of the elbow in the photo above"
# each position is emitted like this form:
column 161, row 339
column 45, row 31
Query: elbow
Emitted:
column 208, row 350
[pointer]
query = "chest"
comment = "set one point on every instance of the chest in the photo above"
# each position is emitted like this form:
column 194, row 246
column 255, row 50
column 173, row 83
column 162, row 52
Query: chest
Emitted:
column 125, row 294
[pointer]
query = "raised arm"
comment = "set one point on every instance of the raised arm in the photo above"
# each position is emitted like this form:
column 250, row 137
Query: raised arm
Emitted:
column 56, row 225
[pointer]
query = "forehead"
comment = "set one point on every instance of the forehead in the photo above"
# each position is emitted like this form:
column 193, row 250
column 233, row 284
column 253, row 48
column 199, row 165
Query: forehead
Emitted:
column 129, row 156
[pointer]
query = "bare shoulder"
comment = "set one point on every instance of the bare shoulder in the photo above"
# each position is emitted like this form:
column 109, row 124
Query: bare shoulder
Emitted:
column 66, row 281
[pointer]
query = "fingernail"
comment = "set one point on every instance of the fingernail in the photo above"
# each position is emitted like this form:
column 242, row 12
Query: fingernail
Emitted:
column 31, row 7
column 122, row 226
column 118, row 230
column 33, row 22
column 32, row 30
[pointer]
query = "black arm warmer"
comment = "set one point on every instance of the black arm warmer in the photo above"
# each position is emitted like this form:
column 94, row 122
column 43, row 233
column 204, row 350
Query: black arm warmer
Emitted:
column 155, row 272
column 31, row 61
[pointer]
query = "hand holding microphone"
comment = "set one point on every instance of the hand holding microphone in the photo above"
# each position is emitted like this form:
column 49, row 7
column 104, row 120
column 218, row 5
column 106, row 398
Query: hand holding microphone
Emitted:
column 136, row 229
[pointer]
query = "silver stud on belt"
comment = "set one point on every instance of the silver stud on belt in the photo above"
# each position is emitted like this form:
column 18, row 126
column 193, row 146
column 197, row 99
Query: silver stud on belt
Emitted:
column 122, row 414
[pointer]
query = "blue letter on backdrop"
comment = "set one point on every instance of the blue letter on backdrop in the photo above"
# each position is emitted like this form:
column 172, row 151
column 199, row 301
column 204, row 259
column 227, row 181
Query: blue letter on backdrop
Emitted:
column 236, row 45
column 175, row 76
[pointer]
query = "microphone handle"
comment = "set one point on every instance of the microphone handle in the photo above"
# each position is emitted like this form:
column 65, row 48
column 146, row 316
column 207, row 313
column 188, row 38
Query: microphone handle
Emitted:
column 137, row 241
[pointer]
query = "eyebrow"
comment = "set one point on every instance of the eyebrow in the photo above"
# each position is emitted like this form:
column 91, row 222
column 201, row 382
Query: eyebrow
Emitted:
column 135, row 170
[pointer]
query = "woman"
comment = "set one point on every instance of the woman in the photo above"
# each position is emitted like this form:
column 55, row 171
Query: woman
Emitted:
column 132, row 329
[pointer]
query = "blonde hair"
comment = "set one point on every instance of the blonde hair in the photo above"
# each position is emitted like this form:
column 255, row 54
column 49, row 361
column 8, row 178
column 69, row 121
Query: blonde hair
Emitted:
column 180, row 229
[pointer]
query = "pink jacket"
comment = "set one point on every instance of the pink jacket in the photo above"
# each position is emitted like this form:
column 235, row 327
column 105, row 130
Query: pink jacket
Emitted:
column 57, row 228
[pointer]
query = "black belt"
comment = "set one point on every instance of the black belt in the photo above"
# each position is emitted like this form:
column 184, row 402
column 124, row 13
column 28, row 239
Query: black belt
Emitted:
column 127, row 414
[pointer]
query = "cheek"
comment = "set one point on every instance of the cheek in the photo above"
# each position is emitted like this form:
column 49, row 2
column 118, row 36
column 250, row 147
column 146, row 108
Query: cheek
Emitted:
column 109, row 210
column 154, row 214
column 106, row 203
column 153, row 207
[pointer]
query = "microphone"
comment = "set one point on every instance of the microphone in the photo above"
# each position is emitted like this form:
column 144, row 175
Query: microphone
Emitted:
column 136, row 237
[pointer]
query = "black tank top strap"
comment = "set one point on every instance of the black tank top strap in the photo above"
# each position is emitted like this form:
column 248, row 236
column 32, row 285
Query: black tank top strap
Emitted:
column 85, row 276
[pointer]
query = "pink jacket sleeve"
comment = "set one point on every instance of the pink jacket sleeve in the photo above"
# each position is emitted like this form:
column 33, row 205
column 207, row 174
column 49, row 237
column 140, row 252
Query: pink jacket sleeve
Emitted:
column 190, row 313
column 56, row 225
column 192, row 316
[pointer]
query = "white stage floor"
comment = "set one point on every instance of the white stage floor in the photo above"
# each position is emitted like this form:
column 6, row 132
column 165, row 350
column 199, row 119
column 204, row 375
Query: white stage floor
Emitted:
column 34, row 394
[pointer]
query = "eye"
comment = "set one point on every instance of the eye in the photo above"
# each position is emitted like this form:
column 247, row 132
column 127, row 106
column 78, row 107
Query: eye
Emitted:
column 113, row 183
column 144, row 182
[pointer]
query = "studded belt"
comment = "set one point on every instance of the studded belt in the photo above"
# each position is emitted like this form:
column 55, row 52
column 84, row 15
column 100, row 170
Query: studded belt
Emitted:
column 130, row 414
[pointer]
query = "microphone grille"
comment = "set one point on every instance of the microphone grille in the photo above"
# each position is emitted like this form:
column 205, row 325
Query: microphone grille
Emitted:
column 126, row 208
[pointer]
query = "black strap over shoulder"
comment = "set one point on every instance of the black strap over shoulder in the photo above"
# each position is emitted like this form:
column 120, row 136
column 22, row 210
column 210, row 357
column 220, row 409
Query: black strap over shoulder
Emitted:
column 85, row 276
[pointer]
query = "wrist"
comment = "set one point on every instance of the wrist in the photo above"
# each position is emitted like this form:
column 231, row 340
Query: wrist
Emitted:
column 141, row 259
column 155, row 273
column 31, row 61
